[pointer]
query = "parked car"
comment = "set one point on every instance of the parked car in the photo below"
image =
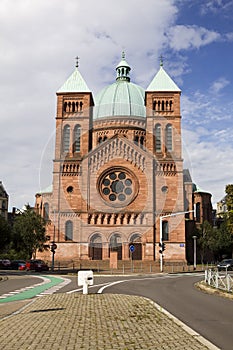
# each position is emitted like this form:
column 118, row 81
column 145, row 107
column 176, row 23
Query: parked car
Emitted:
column 226, row 264
column 18, row 265
column 5, row 264
column 37, row 265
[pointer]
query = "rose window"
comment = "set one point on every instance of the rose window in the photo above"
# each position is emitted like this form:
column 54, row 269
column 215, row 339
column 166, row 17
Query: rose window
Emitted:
column 117, row 187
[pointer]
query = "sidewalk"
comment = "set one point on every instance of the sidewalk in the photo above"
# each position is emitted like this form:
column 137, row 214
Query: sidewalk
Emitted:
column 92, row 322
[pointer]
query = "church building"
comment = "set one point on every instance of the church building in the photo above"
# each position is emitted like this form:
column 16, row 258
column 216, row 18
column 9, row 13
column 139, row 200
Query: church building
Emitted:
column 117, row 170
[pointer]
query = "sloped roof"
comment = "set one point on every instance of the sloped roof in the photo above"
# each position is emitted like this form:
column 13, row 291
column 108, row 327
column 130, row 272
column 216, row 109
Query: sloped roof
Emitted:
column 162, row 82
column 48, row 189
column 186, row 176
column 75, row 83
column 197, row 189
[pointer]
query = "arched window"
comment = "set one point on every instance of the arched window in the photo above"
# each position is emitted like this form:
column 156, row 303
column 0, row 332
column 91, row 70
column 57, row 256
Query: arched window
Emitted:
column 66, row 138
column 141, row 141
column 95, row 247
column 65, row 106
column 136, row 241
column 69, row 231
column 158, row 141
column 168, row 137
column 163, row 106
column 115, row 245
column 46, row 211
column 170, row 104
column 77, row 138
column 165, row 231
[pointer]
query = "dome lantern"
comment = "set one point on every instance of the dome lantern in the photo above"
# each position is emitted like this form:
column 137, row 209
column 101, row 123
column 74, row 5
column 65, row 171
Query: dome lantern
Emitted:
column 123, row 69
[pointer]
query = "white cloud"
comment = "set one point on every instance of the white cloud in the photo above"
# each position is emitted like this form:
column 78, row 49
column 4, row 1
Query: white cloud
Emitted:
column 216, row 6
column 208, row 162
column 229, row 36
column 207, row 142
column 219, row 85
column 39, row 43
column 183, row 37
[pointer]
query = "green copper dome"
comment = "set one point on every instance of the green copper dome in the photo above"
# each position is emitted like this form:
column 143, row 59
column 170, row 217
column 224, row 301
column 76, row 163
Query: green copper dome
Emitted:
column 121, row 98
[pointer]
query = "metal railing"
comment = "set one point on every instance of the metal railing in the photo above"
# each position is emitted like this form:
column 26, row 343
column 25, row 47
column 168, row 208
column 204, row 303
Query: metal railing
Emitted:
column 214, row 279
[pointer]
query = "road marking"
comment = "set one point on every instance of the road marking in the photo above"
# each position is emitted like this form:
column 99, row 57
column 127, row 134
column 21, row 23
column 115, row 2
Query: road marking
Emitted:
column 145, row 278
column 49, row 285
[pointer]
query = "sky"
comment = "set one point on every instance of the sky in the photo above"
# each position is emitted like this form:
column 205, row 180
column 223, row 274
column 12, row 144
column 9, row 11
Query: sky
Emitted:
column 39, row 40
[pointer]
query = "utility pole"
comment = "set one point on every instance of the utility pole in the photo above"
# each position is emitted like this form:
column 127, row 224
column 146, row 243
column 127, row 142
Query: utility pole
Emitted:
column 194, row 252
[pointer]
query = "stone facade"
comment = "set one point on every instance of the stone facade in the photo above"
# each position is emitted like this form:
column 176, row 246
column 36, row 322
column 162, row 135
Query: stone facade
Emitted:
column 113, row 178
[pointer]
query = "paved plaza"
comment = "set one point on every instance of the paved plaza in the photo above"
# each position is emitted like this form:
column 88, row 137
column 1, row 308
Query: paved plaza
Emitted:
column 92, row 322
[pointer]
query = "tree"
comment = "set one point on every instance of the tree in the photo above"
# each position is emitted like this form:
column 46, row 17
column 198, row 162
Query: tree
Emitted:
column 223, row 243
column 204, row 237
column 5, row 234
column 229, row 203
column 29, row 233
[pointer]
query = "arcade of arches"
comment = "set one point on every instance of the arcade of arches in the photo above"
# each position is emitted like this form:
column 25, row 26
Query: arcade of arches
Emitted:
column 115, row 244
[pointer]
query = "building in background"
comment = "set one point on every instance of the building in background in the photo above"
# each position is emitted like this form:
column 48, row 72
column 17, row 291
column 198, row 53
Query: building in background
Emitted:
column 3, row 202
column 221, row 208
column 118, row 168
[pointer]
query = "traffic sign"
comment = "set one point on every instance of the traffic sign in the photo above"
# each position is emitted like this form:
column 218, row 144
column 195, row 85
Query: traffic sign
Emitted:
column 132, row 248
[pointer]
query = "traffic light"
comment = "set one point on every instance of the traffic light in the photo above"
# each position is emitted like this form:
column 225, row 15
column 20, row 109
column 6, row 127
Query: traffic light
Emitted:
column 162, row 247
column 53, row 247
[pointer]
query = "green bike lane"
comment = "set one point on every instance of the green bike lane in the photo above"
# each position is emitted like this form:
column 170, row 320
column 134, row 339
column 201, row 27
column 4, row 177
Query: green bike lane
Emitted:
column 49, row 285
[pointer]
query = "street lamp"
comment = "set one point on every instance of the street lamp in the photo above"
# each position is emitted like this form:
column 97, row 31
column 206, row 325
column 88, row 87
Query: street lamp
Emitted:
column 194, row 252
column 161, row 232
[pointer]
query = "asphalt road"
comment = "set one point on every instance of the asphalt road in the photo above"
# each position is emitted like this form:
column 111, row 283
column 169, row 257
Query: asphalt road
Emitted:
column 209, row 315
column 17, row 282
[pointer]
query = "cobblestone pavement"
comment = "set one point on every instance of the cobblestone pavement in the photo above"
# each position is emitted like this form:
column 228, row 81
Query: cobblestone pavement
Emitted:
column 92, row 322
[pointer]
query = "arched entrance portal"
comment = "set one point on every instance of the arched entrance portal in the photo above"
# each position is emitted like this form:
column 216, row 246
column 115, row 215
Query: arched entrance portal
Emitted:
column 115, row 245
column 135, row 239
column 95, row 247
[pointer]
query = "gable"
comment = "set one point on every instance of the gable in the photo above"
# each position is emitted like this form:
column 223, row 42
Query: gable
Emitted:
column 117, row 147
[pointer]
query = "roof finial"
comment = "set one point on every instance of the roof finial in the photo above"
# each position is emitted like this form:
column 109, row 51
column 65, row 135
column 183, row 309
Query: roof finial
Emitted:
column 77, row 58
column 123, row 55
column 161, row 61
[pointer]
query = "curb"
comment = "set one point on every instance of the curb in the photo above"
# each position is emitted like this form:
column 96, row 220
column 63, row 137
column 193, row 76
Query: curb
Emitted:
column 186, row 328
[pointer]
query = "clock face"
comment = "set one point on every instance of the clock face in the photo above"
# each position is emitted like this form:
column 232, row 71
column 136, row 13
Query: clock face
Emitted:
column 118, row 186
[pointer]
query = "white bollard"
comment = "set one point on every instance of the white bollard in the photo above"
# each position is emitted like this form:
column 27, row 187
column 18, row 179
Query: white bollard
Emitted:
column 85, row 287
column 85, row 279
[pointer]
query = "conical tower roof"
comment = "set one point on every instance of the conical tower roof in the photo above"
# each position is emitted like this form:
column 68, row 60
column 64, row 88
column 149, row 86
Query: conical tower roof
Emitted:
column 75, row 83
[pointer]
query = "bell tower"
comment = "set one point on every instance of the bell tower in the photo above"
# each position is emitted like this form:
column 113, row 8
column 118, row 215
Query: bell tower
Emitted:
column 163, row 140
column 73, row 141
